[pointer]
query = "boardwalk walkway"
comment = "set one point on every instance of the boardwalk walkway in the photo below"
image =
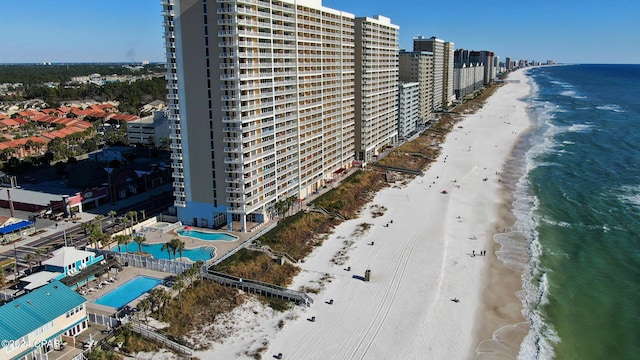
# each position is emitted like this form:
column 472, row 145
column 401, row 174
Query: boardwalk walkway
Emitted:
column 260, row 288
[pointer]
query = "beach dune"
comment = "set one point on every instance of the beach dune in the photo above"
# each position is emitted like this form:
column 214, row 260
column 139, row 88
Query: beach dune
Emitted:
column 432, row 293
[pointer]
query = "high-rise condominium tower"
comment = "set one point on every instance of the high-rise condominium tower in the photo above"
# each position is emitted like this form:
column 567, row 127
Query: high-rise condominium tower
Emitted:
column 442, row 68
column 262, row 104
column 376, row 84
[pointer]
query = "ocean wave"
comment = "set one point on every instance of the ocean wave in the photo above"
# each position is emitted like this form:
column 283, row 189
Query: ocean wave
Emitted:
column 540, row 340
column 579, row 128
column 610, row 107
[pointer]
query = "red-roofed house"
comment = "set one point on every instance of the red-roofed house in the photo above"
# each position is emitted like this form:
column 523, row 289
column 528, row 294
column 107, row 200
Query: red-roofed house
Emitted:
column 8, row 123
column 108, row 107
column 52, row 112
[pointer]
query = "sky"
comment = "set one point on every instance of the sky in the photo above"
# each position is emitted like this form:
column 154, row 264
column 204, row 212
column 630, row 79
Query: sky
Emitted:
column 566, row 31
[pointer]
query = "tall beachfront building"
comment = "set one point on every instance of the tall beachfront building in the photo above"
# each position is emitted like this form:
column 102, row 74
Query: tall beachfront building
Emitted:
column 442, row 85
column 448, row 93
column 262, row 102
column 376, row 85
column 417, row 66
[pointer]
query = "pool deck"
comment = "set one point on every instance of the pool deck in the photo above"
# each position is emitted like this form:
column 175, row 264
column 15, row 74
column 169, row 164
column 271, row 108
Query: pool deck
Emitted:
column 157, row 236
column 125, row 275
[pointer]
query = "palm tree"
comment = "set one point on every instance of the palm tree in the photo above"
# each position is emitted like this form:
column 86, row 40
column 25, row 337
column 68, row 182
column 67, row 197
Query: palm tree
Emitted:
column 197, row 266
column 144, row 305
column 142, row 212
column 139, row 240
column 29, row 259
column 178, row 284
column 176, row 246
column 132, row 215
column 160, row 298
column 98, row 237
column 87, row 227
column 39, row 253
column 166, row 247
column 112, row 214
column 122, row 239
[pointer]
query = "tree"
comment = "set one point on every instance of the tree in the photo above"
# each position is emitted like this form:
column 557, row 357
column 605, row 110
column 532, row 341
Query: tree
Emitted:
column 160, row 299
column 3, row 277
column 122, row 239
column 166, row 247
column 39, row 252
column 144, row 305
column 176, row 246
column 98, row 237
column 132, row 215
column 139, row 240
column 87, row 227
column 112, row 214
column 29, row 258
column 178, row 285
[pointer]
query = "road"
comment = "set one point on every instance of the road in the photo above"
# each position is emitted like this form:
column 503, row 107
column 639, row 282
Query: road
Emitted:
column 74, row 235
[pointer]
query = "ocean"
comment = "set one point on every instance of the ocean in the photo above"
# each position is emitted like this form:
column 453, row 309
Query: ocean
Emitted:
column 577, row 206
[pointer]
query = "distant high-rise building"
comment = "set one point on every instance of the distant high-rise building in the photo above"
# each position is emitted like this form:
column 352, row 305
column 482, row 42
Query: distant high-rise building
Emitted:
column 376, row 85
column 485, row 58
column 417, row 66
column 435, row 46
column 507, row 63
column 447, row 91
column 262, row 102
column 442, row 83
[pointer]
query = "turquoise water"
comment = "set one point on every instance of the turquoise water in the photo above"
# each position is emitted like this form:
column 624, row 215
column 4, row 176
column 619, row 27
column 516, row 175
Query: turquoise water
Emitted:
column 206, row 236
column 578, row 207
column 203, row 253
column 127, row 292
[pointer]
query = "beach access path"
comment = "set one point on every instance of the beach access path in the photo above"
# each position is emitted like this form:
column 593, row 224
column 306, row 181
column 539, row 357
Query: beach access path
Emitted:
column 423, row 253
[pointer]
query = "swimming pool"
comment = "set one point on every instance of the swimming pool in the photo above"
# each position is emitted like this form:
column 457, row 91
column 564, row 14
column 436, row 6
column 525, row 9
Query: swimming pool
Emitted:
column 205, row 235
column 127, row 292
column 204, row 253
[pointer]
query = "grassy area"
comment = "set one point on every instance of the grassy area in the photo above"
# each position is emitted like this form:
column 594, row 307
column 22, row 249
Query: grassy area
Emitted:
column 352, row 194
column 201, row 304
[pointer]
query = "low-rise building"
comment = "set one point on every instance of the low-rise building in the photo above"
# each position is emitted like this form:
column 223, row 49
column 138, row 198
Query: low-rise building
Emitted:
column 149, row 130
column 35, row 324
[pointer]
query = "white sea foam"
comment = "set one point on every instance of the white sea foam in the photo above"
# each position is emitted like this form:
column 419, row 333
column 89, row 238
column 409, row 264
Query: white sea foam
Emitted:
column 539, row 342
column 610, row 107
column 629, row 195
column 579, row 128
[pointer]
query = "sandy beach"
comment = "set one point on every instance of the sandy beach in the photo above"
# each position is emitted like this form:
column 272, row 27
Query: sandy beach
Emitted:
column 423, row 252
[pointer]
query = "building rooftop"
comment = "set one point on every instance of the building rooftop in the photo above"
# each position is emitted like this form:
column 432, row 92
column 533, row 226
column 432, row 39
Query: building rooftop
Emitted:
column 66, row 256
column 29, row 312
column 38, row 279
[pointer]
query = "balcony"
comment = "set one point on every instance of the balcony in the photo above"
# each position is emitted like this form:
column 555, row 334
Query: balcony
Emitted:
column 232, row 160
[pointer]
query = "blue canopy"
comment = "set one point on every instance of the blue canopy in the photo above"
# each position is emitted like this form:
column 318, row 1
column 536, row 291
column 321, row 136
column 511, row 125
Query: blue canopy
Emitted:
column 15, row 227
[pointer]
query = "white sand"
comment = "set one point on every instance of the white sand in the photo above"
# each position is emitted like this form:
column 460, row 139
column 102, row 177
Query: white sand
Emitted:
column 418, row 263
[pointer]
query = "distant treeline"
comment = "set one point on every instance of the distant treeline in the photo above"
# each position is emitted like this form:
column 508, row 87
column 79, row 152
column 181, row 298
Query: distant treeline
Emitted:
column 31, row 74
column 131, row 96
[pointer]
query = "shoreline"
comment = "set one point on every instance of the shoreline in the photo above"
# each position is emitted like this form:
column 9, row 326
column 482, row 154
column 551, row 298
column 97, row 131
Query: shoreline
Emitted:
column 422, row 245
column 501, row 326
